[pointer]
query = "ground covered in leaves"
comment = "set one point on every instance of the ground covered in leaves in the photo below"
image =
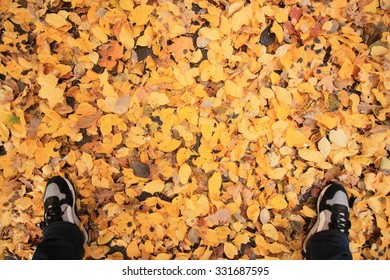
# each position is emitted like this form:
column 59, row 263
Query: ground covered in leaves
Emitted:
column 195, row 129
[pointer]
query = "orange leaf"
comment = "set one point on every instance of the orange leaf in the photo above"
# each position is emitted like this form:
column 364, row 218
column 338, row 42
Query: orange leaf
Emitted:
column 110, row 54
column 181, row 46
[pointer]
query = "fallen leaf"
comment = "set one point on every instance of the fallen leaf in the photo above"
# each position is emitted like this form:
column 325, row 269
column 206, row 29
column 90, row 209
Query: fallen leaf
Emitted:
column 214, row 185
column 154, row 186
column 181, row 46
column 230, row 250
column 267, row 37
column 338, row 137
column 277, row 202
column 270, row 231
column 140, row 169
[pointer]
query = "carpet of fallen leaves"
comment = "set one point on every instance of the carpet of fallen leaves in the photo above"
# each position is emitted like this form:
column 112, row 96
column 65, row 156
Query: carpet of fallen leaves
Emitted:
column 195, row 129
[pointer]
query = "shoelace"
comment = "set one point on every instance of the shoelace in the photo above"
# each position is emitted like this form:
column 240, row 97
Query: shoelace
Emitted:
column 340, row 218
column 53, row 213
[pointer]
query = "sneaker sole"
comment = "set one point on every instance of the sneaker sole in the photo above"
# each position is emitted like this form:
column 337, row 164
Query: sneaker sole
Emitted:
column 314, row 228
column 75, row 217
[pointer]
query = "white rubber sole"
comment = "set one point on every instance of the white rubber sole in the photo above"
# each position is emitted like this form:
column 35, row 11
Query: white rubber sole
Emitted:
column 314, row 228
column 73, row 212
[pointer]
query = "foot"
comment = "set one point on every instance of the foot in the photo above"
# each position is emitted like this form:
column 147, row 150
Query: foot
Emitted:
column 60, row 204
column 332, row 211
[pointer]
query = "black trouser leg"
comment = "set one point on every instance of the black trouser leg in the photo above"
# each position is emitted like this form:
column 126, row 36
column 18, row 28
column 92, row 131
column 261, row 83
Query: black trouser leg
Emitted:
column 61, row 241
column 328, row 245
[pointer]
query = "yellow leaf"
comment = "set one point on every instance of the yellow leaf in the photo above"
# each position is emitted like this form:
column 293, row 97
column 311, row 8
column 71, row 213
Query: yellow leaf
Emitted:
column 49, row 89
column 4, row 132
column 338, row 137
column 380, row 97
column 309, row 88
column 324, row 146
column 87, row 160
column 118, row 105
column 169, row 145
column 232, row 89
column 127, row 5
column 376, row 204
column 283, row 95
column 23, row 203
column 381, row 222
column 126, row 36
column 206, row 127
column 346, row 69
column 378, row 50
column 154, row 186
column 157, row 99
column 371, row 7
column 266, row 92
column 286, row 60
column 105, row 236
column 308, row 212
column 140, row 15
column 56, row 20
column 270, row 231
column 132, row 250
column 119, row 198
column 253, row 211
column 230, row 250
column 71, row 157
column 184, row 173
column 276, row 247
column 155, row 218
column 278, row 202
column 225, row 25
column 276, row 173
column 189, row 114
column 278, row 30
column 182, row 155
column 99, row 252
column 211, row 34
column 311, row 155
column 242, row 17
column 295, row 138
column 105, row 124
column 327, row 120
column 163, row 256
column 98, row 32
column 214, row 184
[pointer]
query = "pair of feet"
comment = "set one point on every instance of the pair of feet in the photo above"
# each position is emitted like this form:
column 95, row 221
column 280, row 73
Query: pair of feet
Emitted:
column 332, row 207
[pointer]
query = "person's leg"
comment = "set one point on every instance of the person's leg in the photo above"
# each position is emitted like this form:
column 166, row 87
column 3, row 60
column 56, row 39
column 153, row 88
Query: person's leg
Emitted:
column 328, row 245
column 62, row 237
column 328, row 238
column 61, row 241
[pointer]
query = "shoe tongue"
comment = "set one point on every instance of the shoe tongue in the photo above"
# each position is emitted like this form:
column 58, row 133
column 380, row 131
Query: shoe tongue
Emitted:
column 53, row 190
column 52, row 201
column 53, row 210
column 338, row 199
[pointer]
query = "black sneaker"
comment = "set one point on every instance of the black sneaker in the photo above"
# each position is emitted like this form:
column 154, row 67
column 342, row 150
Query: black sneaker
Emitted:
column 332, row 211
column 60, row 204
